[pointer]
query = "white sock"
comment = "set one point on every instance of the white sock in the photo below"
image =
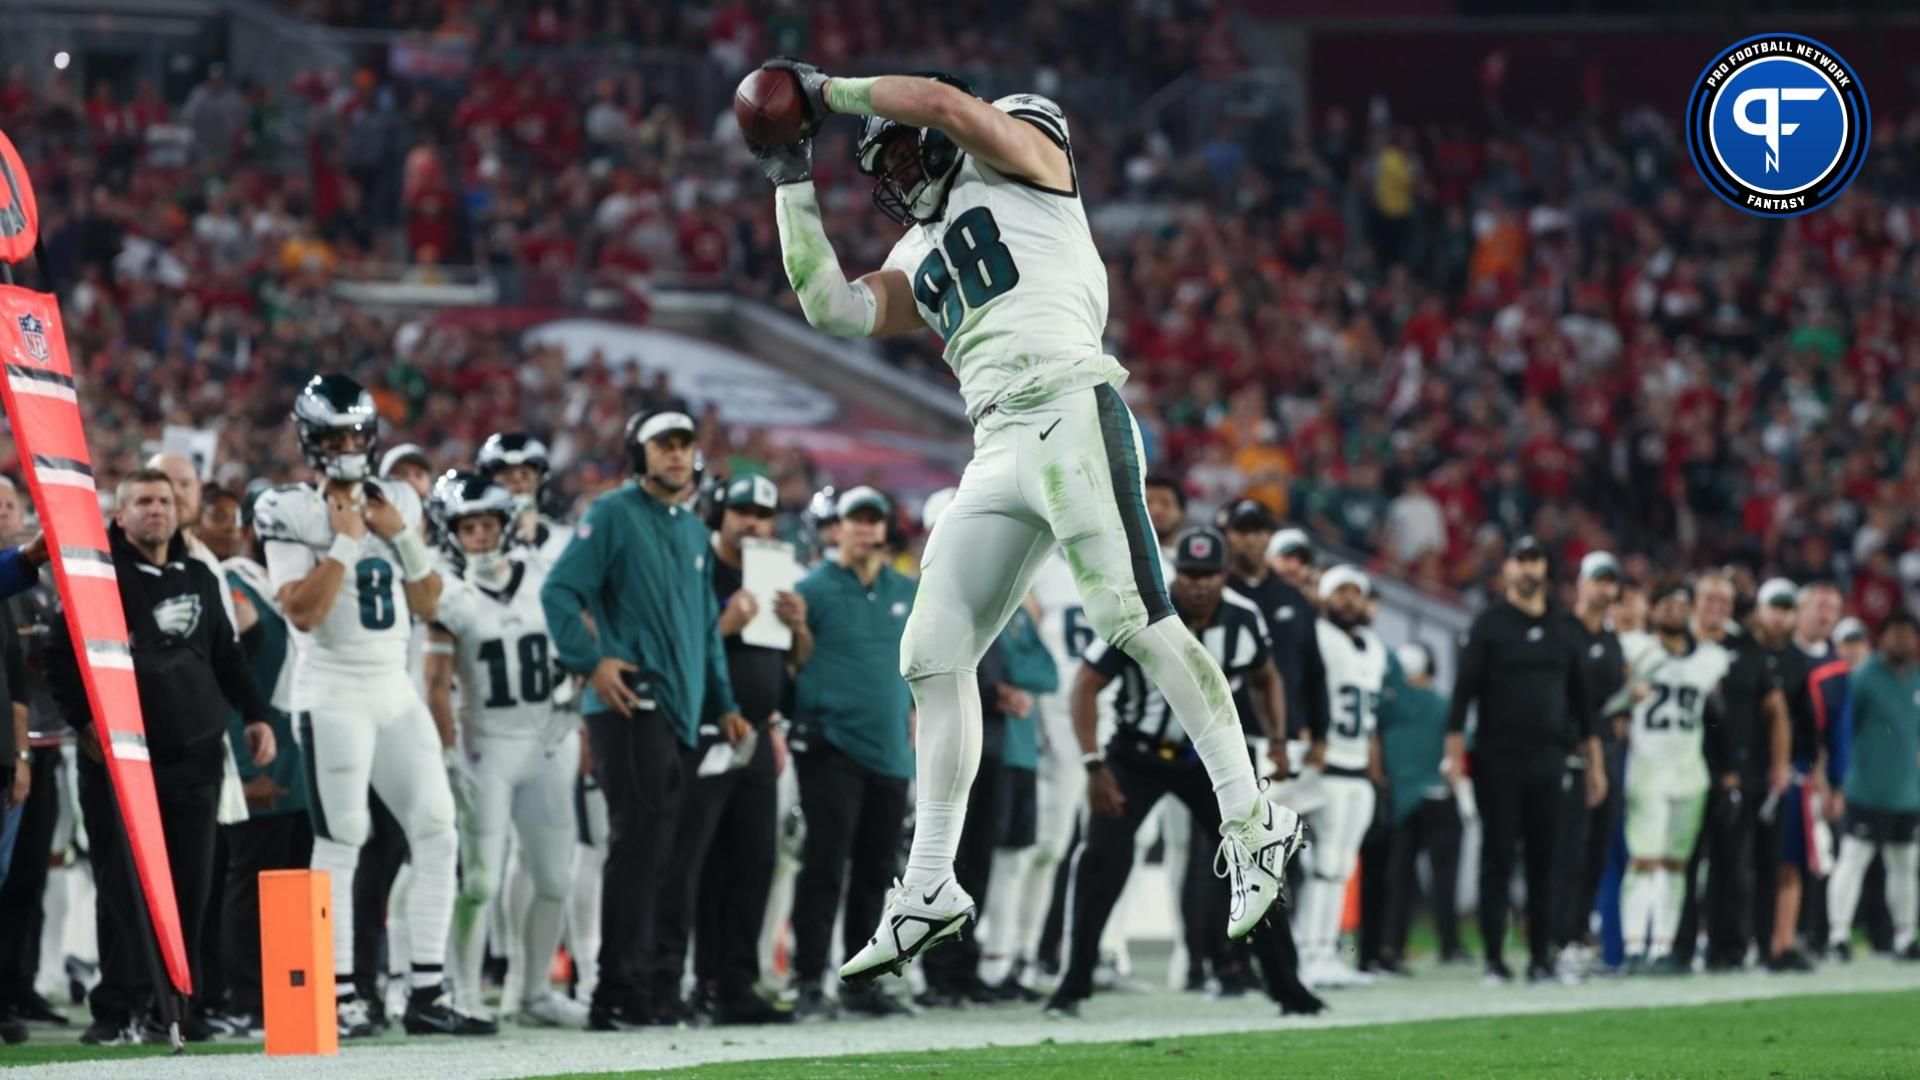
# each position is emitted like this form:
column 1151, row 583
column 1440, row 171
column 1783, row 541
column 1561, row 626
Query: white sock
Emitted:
column 1332, row 908
column 340, row 861
column 1843, row 887
column 430, row 893
column 1669, row 895
column 946, row 757
column 1191, row 681
column 399, row 934
column 1903, row 890
column 1637, row 899
column 468, row 946
column 546, row 918
column 516, row 898
column 583, row 919
column 1000, row 926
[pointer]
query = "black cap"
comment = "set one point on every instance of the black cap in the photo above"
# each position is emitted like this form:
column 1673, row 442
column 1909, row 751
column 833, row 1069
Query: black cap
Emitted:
column 1527, row 547
column 1251, row 515
column 1200, row 551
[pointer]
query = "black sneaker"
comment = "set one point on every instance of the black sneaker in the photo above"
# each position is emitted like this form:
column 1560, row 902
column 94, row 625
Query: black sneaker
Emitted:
column 1011, row 989
column 671, row 1010
column 811, row 1003
column 933, row 997
column 1793, row 961
column 1670, row 965
column 1060, row 1007
column 1910, row 953
column 1541, row 974
column 743, row 1006
column 12, row 1031
column 237, row 1025
column 1841, row 953
column 193, row 1028
column 81, row 976
column 1455, row 958
column 1497, row 974
column 431, row 1011
column 111, row 1033
column 870, row 1000
column 35, row 1009
column 1300, row 1001
column 608, row 1017
column 353, row 1018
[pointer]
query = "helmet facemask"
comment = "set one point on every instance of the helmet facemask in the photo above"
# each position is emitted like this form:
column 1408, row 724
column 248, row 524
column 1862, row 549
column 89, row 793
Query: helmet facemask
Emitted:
column 913, row 169
column 340, row 453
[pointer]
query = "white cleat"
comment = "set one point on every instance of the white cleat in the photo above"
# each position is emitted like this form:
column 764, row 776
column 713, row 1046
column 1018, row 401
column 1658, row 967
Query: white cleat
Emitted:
column 1253, row 857
column 1331, row 974
column 553, row 1010
column 914, row 921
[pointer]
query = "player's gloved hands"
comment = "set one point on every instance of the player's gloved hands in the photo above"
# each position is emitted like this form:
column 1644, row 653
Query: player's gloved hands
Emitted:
column 813, row 87
column 460, row 777
column 789, row 164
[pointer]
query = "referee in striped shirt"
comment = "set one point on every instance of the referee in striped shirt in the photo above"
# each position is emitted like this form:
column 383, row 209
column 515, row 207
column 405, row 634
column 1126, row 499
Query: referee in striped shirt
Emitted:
column 1148, row 757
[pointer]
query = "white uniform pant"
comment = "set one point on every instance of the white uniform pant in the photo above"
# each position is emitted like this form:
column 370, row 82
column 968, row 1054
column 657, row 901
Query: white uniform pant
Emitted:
column 1339, row 827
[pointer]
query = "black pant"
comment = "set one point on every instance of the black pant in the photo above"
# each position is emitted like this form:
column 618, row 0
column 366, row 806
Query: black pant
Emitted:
column 717, row 893
column 1434, row 827
column 1572, row 900
column 1518, row 805
column 1603, row 824
column 1103, row 859
column 1766, row 875
column 1376, row 854
column 1049, row 953
column 957, row 962
column 1726, row 844
column 189, row 822
column 854, row 819
column 381, row 858
column 273, row 842
column 638, row 761
column 20, row 910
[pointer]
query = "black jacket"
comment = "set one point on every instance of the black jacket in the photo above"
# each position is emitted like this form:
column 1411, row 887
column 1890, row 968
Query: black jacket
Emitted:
column 13, row 689
column 1528, row 677
column 189, row 667
column 1296, row 651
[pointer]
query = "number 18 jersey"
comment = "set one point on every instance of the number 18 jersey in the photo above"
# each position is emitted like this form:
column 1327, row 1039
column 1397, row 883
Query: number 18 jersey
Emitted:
column 503, row 656
column 368, row 628
column 1010, row 278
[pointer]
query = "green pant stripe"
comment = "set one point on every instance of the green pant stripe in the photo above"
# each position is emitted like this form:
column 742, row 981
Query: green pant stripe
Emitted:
column 1129, row 493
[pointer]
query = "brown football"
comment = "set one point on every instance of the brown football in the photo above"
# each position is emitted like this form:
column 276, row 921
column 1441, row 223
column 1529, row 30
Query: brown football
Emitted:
column 768, row 107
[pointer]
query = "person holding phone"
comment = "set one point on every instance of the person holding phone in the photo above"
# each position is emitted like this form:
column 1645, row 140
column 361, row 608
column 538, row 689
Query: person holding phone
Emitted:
column 656, row 668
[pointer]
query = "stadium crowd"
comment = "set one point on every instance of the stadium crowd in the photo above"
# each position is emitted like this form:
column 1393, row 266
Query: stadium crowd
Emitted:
column 1419, row 346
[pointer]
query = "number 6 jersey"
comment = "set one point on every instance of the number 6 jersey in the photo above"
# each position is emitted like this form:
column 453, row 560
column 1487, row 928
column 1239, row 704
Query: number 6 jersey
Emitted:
column 503, row 657
column 1669, row 723
column 367, row 629
column 1009, row 277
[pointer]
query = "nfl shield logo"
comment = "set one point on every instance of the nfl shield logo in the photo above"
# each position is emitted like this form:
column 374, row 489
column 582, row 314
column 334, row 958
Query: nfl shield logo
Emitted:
column 33, row 337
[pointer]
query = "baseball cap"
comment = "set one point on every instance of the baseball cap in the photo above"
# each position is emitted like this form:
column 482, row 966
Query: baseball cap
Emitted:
column 1251, row 515
column 752, row 491
column 863, row 498
column 1337, row 577
column 1668, row 588
column 1599, row 564
column 1779, row 592
column 1850, row 629
column 1200, row 551
column 662, row 424
column 1415, row 659
column 1290, row 542
column 1527, row 547
column 403, row 454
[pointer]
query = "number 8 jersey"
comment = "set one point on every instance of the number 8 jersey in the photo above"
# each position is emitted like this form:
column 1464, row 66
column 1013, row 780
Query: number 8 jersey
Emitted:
column 368, row 628
column 1010, row 278
column 1668, row 728
column 504, row 656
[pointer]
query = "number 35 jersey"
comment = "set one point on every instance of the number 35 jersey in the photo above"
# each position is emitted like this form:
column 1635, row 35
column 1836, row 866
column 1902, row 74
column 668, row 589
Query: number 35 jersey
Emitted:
column 1356, row 662
column 503, row 656
column 1009, row 277
column 366, row 631
column 1667, row 734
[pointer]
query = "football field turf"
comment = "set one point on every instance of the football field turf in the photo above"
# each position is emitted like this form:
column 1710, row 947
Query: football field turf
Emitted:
column 1843, row 1022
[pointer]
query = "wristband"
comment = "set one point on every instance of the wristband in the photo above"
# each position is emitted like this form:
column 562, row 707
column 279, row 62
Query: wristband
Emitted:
column 345, row 549
column 415, row 562
column 851, row 96
column 1093, row 759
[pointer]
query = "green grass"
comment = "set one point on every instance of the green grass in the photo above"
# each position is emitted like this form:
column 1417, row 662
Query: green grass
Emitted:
column 43, row 1051
column 1831, row 1037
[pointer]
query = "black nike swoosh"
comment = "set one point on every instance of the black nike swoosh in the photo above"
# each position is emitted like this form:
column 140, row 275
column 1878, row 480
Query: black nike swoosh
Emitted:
column 937, row 890
column 1049, row 431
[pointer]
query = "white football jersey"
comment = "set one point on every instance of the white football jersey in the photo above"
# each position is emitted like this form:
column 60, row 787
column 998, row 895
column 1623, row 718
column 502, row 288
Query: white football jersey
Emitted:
column 367, row 630
column 503, row 655
column 1010, row 278
column 1669, row 723
column 1356, row 666
column 551, row 538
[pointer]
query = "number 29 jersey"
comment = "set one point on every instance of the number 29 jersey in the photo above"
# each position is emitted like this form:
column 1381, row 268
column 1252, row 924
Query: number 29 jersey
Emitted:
column 1010, row 278
column 367, row 630
column 503, row 655
column 1667, row 732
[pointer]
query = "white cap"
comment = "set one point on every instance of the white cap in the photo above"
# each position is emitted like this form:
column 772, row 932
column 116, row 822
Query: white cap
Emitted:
column 1849, row 629
column 1289, row 541
column 1413, row 660
column 1341, row 575
column 863, row 498
column 1778, row 592
column 665, row 423
column 403, row 452
column 1599, row 564
column 936, row 505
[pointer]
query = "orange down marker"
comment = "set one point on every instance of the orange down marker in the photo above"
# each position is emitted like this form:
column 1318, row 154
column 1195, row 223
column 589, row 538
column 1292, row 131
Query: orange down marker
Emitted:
column 296, row 963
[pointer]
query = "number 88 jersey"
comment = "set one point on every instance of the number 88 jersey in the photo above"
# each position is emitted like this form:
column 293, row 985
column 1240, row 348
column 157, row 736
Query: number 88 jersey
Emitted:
column 369, row 626
column 1669, row 722
column 1009, row 276
column 503, row 656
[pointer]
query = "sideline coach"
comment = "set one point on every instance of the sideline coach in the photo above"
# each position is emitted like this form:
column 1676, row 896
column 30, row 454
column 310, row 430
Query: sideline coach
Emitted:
column 1526, row 672
column 654, row 663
